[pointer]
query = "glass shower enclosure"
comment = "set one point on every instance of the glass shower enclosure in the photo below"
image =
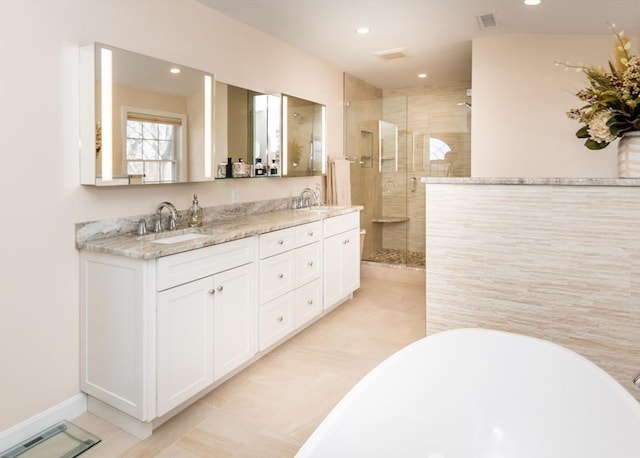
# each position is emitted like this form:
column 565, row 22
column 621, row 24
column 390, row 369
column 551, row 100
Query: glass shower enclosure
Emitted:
column 394, row 138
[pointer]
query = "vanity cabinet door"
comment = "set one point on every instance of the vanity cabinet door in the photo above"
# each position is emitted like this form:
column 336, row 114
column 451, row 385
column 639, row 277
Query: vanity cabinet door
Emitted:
column 341, row 266
column 185, row 342
column 235, row 329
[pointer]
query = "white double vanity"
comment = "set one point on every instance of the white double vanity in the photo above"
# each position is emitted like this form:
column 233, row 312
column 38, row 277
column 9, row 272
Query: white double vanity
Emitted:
column 164, row 323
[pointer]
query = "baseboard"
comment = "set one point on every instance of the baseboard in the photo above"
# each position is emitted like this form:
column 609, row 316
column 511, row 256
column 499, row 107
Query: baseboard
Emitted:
column 66, row 410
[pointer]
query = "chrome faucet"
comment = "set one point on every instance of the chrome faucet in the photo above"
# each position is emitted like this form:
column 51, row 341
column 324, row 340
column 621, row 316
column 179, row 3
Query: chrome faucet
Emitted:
column 173, row 216
column 306, row 201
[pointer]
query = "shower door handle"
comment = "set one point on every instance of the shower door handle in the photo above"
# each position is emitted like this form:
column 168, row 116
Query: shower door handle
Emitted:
column 414, row 184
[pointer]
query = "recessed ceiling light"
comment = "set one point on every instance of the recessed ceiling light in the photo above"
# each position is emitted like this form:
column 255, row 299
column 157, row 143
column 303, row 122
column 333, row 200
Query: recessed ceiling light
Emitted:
column 532, row 2
column 362, row 30
column 422, row 75
column 175, row 70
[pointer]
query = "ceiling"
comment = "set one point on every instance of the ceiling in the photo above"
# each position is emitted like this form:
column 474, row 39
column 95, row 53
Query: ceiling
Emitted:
column 435, row 34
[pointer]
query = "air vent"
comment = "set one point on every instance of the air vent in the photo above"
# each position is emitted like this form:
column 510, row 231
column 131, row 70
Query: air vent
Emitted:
column 390, row 54
column 487, row 21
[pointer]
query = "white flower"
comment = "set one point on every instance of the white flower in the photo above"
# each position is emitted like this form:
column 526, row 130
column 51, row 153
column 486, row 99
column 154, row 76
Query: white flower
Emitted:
column 598, row 129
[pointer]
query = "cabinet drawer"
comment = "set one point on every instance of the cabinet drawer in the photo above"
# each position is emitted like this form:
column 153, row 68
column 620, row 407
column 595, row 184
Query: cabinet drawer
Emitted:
column 276, row 320
column 276, row 276
column 308, row 233
column 181, row 268
column 307, row 263
column 341, row 223
column 307, row 302
column 276, row 242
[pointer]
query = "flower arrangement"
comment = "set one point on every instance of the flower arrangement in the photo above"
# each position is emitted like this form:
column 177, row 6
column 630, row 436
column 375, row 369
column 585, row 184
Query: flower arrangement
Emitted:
column 612, row 98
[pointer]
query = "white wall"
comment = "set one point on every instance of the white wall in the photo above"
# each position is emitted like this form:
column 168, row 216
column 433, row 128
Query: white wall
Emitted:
column 40, row 196
column 520, row 99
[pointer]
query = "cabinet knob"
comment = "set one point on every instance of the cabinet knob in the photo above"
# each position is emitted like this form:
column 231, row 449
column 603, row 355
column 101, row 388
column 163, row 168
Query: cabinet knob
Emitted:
column 212, row 291
column 220, row 288
column 310, row 263
column 280, row 275
column 280, row 318
column 280, row 242
column 310, row 302
column 310, row 233
column 344, row 242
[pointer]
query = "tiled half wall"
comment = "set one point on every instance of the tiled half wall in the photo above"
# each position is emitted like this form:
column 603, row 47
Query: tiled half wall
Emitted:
column 560, row 263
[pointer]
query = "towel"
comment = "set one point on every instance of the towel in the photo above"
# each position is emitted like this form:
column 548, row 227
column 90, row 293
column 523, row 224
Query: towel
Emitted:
column 339, row 182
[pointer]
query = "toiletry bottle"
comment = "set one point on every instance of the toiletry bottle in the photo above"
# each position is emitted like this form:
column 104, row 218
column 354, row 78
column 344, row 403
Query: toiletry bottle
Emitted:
column 273, row 170
column 229, row 167
column 195, row 213
column 222, row 170
column 259, row 170
column 237, row 168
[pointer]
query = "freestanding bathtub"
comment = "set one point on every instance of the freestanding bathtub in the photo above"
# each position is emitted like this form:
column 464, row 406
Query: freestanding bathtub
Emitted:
column 481, row 393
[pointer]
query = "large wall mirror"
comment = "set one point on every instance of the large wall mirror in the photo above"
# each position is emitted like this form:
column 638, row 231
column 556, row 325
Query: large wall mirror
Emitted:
column 148, row 121
column 143, row 120
column 247, row 133
column 251, row 126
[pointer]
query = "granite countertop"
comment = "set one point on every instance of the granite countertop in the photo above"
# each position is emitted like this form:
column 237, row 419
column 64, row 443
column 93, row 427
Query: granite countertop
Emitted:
column 215, row 232
column 625, row 182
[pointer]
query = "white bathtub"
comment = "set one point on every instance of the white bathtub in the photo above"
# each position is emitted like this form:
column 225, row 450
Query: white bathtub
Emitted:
column 481, row 393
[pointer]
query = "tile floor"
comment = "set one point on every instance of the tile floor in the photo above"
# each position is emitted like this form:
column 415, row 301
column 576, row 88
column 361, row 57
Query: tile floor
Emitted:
column 270, row 408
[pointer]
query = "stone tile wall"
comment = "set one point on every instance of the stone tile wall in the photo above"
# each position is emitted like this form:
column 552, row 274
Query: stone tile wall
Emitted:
column 556, row 262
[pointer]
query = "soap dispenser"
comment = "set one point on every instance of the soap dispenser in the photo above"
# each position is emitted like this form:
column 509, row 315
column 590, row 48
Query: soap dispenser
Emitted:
column 195, row 213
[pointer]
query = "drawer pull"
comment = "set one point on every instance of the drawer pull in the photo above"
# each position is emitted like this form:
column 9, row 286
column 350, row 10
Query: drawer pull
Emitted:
column 220, row 288
column 280, row 318
column 280, row 275
column 280, row 242
column 310, row 263
column 310, row 302
column 310, row 233
column 212, row 291
column 344, row 242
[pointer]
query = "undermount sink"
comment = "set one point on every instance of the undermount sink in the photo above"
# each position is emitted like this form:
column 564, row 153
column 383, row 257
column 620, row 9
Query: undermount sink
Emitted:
column 178, row 238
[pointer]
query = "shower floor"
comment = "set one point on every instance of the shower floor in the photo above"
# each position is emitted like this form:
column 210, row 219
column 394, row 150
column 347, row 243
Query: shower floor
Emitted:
column 393, row 256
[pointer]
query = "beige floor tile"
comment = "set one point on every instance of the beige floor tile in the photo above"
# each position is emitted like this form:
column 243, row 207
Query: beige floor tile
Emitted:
column 201, row 443
column 171, row 431
column 232, row 427
column 114, row 446
column 225, row 392
column 177, row 451
column 267, row 447
column 97, row 426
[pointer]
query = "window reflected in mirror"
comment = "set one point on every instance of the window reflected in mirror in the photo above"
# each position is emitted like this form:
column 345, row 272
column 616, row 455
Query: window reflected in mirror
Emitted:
column 143, row 120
